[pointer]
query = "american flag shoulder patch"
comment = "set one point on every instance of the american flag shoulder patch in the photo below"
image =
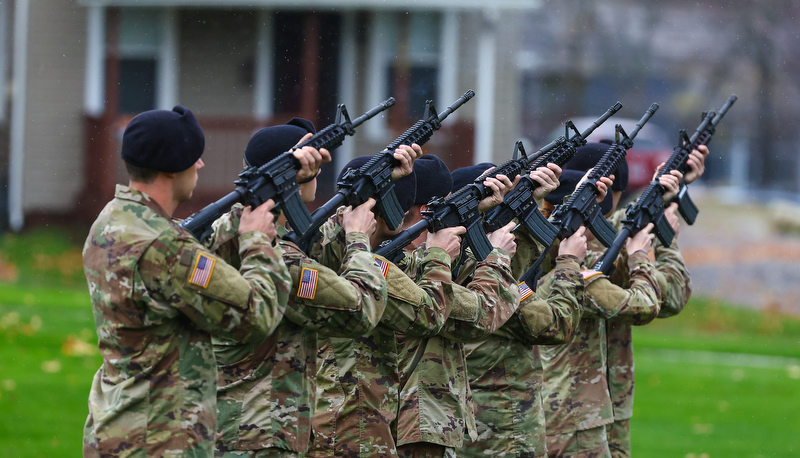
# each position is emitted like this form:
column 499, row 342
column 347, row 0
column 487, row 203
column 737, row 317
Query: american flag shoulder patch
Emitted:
column 525, row 291
column 383, row 265
column 201, row 271
column 308, row 283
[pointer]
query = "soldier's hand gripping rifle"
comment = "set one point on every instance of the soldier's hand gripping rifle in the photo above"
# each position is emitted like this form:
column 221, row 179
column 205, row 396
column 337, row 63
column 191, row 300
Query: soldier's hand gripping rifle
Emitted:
column 649, row 208
column 582, row 206
column 277, row 179
column 459, row 209
column 520, row 204
column 374, row 178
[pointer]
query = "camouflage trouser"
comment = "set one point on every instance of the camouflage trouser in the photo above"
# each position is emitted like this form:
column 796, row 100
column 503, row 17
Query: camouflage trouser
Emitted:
column 590, row 443
column 619, row 438
column 425, row 450
column 271, row 452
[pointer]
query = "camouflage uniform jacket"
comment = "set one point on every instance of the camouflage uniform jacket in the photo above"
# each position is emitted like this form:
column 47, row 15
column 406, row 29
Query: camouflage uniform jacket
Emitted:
column 576, row 394
column 358, row 380
column 675, row 286
column 157, row 296
column 436, row 405
column 505, row 370
column 266, row 392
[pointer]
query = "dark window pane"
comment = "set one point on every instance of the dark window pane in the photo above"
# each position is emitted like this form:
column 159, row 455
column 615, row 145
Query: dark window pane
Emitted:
column 329, row 53
column 421, row 87
column 289, row 39
column 137, row 85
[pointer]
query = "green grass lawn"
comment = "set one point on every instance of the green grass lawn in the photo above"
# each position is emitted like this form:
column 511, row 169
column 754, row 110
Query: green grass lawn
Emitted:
column 715, row 381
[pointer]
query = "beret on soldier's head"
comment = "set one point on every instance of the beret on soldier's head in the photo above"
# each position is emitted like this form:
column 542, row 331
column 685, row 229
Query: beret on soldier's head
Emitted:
column 589, row 154
column 270, row 142
column 163, row 140
column 466, row 175
column 433, row 178
column 405, row 188
column 568, row 181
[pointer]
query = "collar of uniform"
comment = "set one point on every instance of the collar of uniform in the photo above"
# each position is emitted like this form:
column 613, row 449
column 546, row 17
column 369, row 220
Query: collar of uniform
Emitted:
column 127, row 193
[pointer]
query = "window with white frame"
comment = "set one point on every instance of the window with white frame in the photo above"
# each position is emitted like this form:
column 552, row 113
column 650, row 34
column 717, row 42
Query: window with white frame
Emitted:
column 140, row 38
column 407, row 57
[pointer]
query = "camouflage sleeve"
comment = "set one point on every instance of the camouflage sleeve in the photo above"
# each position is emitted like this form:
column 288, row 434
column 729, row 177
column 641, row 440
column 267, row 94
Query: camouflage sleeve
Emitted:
column 244, row 305
column 486, row 302
column 551, row 315
column 419, row 307
column 224, row 239
column 636, row 304
column 348, row 303
column 329, row 248
column 673, row 280
column 528, row 250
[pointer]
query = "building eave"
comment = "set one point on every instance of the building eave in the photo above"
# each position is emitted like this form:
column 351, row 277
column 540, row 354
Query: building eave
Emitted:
column 327, row 4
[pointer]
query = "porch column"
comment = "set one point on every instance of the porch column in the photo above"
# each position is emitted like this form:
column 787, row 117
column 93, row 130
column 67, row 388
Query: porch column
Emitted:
column 168, row 62
column 262, row 90
column 347, row 84
column 94, row 81
column 448, row 61
column 485, row 93
column 16, row 169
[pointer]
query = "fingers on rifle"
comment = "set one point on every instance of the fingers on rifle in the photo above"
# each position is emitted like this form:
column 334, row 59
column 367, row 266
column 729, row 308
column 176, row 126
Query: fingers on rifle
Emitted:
column 369, row 203
column 305, row 137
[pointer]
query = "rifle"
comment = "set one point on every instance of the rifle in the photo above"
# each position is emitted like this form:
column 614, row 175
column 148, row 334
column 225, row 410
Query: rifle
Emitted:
column 277, row 179
column 461, row 207
column 520, row 204
column 582, row 206
column 686, row 207
column 649, row 208
column 374, row 178
column 458, row 209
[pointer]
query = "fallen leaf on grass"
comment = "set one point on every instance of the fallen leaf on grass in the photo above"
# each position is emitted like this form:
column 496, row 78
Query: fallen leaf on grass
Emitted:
column 74, row 346
column 52, row 366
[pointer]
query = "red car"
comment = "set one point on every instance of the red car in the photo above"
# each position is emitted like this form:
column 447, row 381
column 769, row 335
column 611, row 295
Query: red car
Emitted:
column 651, row 147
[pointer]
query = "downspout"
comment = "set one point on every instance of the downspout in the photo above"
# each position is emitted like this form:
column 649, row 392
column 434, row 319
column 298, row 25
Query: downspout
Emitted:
column 16, row 215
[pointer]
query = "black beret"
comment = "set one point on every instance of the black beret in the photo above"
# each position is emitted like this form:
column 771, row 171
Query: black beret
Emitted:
column 270, row 142
column 466, row 175
column 567, row 182
column 405, row 188
column 433, row 178
column 587, row 157
column 163, row 140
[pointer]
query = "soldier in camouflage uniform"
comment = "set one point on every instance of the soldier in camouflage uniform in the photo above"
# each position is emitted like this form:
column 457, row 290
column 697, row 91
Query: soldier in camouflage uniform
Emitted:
column 577, row 399
column 358, row 379
column 266, row 392
column 158, row 295
column 436, row 406
column 675, row 285
column 504, row 368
